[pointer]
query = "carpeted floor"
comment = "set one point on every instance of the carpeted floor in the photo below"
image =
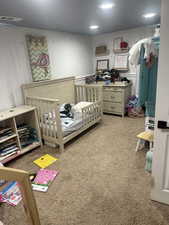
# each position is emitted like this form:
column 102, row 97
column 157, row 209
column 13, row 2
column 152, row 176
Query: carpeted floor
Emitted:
column 101, row 182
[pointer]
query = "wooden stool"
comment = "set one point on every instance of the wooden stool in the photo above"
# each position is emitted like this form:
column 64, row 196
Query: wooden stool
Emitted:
column 145, row 136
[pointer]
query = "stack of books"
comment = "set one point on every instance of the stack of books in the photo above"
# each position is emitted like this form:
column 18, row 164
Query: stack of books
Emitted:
column 27, row 135
column 5, row 132
column 8, row 148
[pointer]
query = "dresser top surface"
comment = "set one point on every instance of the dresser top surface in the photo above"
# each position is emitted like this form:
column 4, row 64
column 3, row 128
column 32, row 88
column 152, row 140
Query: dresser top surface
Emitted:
column 116, row 84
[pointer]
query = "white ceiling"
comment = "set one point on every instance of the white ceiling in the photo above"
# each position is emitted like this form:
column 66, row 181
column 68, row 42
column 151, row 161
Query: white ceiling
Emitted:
column 77, row 15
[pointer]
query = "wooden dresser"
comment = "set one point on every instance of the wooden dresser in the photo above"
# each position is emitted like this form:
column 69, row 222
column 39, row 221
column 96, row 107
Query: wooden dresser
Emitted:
column 115, row 97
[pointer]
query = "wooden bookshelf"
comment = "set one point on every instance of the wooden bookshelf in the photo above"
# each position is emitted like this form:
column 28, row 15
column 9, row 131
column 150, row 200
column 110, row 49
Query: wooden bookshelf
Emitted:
column 7, row 138
column 12, row 119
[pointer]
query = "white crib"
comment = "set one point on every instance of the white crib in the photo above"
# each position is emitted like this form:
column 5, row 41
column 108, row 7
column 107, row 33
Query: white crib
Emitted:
column 47, row 97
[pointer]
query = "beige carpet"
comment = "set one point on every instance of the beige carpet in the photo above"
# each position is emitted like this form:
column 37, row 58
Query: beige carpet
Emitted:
column 102, row 181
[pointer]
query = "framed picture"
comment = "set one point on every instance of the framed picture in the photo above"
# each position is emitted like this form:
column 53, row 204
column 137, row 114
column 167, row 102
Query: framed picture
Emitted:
column 102, row 64
column 121, row 61
column 116, row 43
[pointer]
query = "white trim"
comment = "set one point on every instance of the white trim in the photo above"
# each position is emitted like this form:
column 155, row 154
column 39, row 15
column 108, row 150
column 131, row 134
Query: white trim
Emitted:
column 81, row 79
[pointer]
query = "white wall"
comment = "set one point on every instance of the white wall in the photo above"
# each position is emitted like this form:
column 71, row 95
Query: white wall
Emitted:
column 70, row 54
column 131, row 36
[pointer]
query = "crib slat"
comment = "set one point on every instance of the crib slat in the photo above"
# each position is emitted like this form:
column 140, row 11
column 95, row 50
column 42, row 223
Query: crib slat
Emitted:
column 50, row 130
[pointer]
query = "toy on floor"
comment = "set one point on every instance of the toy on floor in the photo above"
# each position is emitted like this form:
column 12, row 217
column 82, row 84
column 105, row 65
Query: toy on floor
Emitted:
column 149, row 159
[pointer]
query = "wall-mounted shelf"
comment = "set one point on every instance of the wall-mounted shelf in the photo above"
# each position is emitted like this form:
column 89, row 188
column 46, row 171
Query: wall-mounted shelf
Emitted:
column 121, row 69
column 121, row 50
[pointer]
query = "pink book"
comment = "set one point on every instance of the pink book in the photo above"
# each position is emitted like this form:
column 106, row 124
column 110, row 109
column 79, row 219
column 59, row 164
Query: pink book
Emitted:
column 45, row 176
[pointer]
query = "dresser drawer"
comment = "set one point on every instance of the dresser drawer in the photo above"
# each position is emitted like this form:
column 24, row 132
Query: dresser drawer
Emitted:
column 112, row 96
column 112, row 107
column 112, row 89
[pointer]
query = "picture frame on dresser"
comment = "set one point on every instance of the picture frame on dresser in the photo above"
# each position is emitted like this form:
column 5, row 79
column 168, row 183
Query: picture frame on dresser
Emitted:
column 102, row 64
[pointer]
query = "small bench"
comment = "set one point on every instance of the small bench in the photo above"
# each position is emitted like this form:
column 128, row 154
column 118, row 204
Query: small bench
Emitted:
column 145, row 136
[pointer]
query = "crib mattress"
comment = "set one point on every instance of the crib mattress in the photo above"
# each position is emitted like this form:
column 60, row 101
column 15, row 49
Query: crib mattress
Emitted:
column 70, row 125
column 66, row 128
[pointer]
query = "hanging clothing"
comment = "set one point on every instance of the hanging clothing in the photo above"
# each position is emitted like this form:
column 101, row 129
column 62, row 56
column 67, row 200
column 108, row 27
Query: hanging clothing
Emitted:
column 134, row 52
column 150, row 47
column 148, row 82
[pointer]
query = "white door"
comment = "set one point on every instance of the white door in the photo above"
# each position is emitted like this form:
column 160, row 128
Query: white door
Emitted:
column 160, row 173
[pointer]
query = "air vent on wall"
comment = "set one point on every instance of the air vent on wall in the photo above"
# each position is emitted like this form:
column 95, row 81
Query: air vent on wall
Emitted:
column 10, row 19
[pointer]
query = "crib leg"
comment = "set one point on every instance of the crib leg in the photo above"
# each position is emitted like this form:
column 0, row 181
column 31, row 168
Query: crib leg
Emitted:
column 61, row 146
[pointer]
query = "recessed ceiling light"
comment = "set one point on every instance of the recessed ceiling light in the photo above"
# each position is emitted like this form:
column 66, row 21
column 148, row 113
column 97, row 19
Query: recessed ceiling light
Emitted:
column 94, row 27
column 149, row 15
column 107, row 6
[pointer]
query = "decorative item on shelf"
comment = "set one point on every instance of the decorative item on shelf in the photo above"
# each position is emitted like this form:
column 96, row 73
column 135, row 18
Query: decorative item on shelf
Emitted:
column 123, row 45
column 101, row 51
column 39, row 57
column 120, row 46
column 102, row 65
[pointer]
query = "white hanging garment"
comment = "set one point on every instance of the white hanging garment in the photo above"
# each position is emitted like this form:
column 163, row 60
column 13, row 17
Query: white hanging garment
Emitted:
column 134, row 53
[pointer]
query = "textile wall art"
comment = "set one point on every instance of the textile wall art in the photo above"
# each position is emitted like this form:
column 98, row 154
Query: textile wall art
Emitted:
column 39, row 57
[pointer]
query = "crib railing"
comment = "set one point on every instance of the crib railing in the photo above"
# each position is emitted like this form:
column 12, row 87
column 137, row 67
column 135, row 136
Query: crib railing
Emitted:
column 48, row 114
column 89, row 93
column 91, row 113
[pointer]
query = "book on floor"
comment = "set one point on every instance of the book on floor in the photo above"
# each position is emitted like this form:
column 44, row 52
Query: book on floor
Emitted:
column 43, row 179
column 45, row 161
column 11, row 194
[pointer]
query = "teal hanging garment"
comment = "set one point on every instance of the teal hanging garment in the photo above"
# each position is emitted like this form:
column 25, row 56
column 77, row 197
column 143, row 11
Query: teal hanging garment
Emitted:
column 143, row 79
column 147, row 83
column 152, row 87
